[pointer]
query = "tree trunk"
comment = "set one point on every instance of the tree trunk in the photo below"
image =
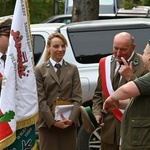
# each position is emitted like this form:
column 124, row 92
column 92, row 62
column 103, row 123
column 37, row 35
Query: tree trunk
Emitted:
column 56, row 7
column 85, row 10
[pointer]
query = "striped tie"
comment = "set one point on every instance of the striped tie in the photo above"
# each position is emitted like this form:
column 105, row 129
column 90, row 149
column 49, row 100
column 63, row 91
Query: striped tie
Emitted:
column 116, row 79
column 58, row 66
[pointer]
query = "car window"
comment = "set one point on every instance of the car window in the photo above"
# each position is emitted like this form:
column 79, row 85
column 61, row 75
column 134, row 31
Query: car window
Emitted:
column 62, row 20
column 106, row 2
column 91, row 46
column 38, row 47
column 70, row 3
column 65, row 20
column 105, row 6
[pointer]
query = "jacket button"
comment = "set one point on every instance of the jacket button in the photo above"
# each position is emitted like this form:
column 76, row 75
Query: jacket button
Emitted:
column 141, row 124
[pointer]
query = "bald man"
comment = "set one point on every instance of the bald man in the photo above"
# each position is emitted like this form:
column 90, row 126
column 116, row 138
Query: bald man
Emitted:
column 123, row 66
column 135, row 123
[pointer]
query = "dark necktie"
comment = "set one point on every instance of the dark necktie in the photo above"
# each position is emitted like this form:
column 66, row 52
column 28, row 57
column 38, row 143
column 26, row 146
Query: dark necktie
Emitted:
column 58, row 66
column 116, row 79
column 3, row 57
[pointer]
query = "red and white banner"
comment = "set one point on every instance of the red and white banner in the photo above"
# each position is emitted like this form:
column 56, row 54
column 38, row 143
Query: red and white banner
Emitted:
column 18, row 101
column 105, row 67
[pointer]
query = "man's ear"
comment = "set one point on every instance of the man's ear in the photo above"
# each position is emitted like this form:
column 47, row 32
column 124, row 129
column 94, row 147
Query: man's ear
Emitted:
column 148, row 56
column 134, row 46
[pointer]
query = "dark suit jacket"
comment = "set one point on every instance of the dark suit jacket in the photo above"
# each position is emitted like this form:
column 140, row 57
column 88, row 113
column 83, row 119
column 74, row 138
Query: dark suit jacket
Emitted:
column 50, row 87
column 112, row 125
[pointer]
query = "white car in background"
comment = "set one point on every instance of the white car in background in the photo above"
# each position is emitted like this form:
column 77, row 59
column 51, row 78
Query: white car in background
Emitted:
column 88, row 42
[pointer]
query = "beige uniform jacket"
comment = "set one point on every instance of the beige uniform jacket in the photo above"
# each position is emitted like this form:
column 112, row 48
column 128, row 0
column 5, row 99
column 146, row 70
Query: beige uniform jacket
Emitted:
column 50, row 87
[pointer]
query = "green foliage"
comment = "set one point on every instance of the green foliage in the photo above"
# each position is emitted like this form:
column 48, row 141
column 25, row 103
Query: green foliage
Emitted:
column 128, row 4
column 146, row 2
column 39, row 10
column 6, row 8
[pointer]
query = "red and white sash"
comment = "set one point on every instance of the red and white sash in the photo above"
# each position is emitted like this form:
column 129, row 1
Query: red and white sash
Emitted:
column 107, row 87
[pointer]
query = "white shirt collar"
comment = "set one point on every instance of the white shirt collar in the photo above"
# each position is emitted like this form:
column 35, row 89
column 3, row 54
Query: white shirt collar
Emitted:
column 1, row 54
column 54, row 62
column 131, row 56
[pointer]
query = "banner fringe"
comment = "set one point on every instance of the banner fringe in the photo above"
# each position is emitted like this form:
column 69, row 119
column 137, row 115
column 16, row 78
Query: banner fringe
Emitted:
column 27, row 121
column 7, row 141
column 35, row 147
column 28, row 18
column 31, row 39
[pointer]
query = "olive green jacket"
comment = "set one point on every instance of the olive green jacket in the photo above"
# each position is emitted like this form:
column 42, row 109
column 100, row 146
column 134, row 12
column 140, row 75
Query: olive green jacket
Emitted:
column 135, row 127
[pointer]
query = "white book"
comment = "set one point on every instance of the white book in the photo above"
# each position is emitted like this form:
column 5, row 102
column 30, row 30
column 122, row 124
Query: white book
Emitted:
column 64, row 109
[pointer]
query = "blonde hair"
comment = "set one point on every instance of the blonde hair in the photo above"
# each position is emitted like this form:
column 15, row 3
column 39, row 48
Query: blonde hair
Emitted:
column 51, row 36
column 46, row 56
